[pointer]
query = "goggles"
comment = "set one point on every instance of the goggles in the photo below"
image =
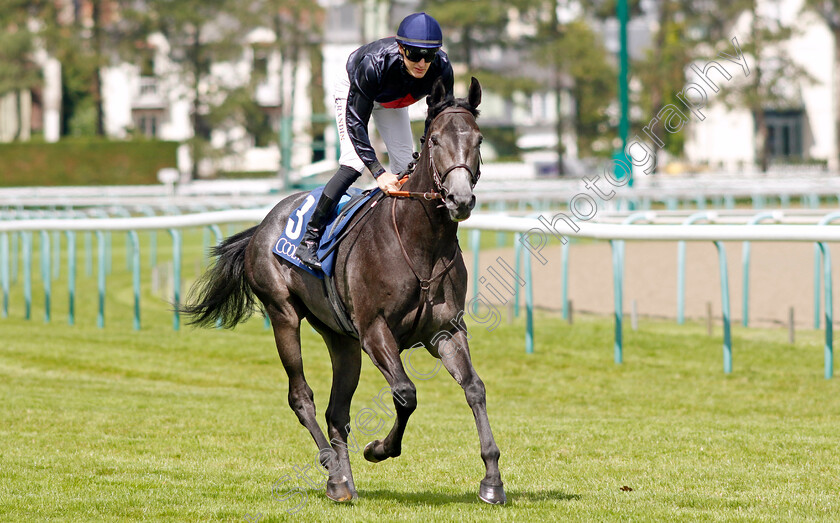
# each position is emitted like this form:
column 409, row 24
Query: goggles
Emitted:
column 415, row 54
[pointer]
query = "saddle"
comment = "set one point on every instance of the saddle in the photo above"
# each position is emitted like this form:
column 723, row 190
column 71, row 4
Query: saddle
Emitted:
column 348, row 205
column 336, row 230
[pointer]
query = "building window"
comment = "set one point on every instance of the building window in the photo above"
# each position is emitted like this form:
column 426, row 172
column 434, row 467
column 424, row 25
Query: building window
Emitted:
column 784, row 133
column 147, row 62
column 260, row 63
column 343, row 22
column 147, row 122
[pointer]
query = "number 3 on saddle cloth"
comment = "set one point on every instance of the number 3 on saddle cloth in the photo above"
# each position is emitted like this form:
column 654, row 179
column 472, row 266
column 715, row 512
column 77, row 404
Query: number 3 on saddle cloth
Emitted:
column 348, row 205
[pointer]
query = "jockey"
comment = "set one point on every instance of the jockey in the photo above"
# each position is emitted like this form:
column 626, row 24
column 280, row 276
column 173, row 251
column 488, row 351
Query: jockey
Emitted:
column 383, row 78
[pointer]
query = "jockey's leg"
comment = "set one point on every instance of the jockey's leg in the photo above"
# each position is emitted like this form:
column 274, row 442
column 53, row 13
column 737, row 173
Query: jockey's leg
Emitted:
column 394, row 127
column 333, row 191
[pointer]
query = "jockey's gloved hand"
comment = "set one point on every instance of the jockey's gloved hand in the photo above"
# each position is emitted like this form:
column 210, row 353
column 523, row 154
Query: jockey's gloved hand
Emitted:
column 387, row 182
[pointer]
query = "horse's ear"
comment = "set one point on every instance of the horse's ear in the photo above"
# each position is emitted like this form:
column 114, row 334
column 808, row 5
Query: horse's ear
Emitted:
column 438, row 92
column 475, row 93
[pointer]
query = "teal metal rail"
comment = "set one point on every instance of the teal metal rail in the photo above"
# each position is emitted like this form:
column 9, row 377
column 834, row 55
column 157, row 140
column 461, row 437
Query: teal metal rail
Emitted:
column 818, row 251
column 529, row 307
column 4, row 272
column 724, row 296
column 519, row 256
column 618, row 234
column 46, row 274
column 704, row 215
column 176, row 278
column 745, row 265
column 617, row 248
column 823, row 253
column 134, row 242
column 71, row 277
column 26, row 240
column 101, row 275
column 828, row 347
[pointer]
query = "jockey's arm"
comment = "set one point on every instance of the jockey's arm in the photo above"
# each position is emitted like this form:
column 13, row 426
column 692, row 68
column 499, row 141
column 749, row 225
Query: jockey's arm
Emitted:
column 363, row 91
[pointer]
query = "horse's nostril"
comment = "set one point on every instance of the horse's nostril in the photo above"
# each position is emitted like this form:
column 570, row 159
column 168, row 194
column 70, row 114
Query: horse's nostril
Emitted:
column 472, row 202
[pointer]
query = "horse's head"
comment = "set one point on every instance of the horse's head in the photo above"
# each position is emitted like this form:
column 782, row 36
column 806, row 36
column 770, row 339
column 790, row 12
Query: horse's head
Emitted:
column 453, row 140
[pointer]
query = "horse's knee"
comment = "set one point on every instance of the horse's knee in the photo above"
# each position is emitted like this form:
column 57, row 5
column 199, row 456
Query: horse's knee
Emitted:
column 405, row 396
column 474, row 391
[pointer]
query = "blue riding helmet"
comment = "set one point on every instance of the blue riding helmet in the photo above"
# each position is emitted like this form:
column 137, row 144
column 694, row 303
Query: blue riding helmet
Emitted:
column 420, row 30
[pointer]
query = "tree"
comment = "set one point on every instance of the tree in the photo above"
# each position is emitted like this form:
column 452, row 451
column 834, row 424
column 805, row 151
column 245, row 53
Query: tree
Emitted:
column 594, row 88
column 76, row 38
column 578, row 62
column 662, row 70
column 199, row 33
column 297, row 26
column 18, row 70
column 470, row 27
column 773, row 74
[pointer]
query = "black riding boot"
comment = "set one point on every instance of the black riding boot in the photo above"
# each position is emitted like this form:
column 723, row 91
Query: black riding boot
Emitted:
column 307, row 251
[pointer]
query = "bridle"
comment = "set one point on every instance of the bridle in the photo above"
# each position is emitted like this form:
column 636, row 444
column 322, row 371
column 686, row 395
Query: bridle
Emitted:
column 437, row 177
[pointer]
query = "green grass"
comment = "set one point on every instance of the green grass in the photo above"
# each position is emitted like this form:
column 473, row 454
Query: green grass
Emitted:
column 113, row 424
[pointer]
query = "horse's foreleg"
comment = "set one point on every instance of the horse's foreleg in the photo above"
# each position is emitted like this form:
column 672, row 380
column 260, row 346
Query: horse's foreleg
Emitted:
column 380, row 345
column 346, row 360
column 455, row 355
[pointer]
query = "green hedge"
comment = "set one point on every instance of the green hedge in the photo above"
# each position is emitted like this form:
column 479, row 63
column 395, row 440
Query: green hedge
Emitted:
column 84, row 162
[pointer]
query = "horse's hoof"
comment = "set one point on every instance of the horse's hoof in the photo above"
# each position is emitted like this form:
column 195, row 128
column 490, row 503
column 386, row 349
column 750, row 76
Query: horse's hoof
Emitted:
column 369, row 455
column 492, row 495
column 341, row 492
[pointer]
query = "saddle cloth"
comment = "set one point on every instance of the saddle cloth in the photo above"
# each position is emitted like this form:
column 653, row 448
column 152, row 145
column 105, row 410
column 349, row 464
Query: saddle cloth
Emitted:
column 293, row 231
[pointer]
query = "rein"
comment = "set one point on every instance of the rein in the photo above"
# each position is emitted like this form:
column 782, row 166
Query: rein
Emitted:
column 425, row 284
column 437, row 178
column 428, row 196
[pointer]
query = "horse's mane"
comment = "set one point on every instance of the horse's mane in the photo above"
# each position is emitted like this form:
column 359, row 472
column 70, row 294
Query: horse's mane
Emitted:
column 448, row 101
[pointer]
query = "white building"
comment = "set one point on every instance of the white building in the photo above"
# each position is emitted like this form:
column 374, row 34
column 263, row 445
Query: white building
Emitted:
column 802, row 130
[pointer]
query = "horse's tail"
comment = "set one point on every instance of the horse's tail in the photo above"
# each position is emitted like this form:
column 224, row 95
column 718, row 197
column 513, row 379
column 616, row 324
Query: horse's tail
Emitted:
column 222, row 296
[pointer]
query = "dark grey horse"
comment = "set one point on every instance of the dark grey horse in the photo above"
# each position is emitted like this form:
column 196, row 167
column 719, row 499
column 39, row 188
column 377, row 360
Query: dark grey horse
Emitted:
column 402, row 280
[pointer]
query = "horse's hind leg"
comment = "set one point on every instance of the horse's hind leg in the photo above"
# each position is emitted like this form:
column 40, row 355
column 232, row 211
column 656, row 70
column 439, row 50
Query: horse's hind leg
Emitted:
column 285, row 320
column 455, row 355
column 346, row 357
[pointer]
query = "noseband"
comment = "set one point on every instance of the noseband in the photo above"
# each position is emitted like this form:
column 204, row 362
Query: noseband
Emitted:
column 437, row 177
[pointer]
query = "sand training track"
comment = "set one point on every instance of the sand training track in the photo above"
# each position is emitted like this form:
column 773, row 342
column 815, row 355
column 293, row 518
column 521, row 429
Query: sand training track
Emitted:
column 781, row 276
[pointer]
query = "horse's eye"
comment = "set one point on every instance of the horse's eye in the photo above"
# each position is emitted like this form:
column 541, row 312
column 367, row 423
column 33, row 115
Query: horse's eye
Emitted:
column 434, row 140
column 480, row 139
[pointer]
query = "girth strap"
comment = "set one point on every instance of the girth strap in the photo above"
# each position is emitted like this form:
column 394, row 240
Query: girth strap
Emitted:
column 339, row 312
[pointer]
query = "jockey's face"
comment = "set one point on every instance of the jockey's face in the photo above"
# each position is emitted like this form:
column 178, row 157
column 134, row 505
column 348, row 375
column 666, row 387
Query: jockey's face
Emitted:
column 419, row 68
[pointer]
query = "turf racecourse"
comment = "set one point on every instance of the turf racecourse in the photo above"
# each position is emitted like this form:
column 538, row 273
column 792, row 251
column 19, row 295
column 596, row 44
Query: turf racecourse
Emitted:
column 112, row 424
